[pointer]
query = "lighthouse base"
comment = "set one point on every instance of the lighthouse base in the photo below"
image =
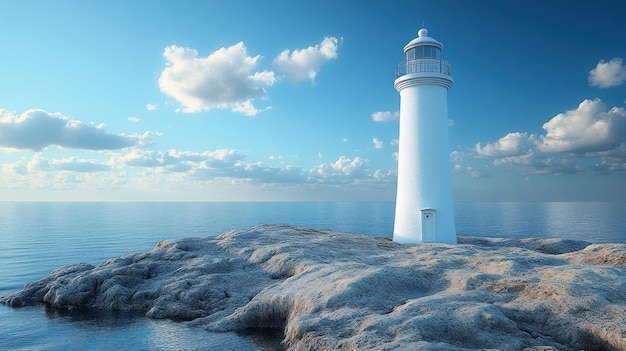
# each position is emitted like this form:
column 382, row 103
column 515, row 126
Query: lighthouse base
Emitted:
column 427, row 225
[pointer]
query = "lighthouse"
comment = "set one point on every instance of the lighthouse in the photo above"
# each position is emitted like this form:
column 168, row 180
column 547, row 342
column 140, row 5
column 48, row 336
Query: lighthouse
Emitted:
column 424, row 210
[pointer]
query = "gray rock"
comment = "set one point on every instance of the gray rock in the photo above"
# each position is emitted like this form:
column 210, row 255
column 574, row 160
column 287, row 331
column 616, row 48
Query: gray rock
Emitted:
column 330, row 290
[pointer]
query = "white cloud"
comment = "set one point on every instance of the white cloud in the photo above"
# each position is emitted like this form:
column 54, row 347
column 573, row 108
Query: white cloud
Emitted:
column 456, row 156
column 152, row 107
column 230, row 164
column 36, row 129
column 247, row 108
column 224, row 79
column 261, row 174
column 476, row 173
column 154, row 171
column 378, row 144
column 275, row 157
column 37, row 163
column 18, row 167
column 385, row 176
column 385, row 116
column 134, row 119
column 345, row 165
column 512, row 144
column 588, row 129
column 340, row 171
column 541, row 164
column 610, row 165
column 303, row 64
column 527, row 160
column 73, row 164
column 608, row 74
column 182, row 161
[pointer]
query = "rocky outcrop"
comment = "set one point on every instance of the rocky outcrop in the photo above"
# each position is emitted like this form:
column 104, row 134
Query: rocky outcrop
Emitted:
column 330, row 290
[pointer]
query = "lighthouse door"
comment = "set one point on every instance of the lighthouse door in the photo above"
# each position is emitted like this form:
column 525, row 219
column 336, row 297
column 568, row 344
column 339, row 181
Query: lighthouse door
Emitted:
column 428, row 225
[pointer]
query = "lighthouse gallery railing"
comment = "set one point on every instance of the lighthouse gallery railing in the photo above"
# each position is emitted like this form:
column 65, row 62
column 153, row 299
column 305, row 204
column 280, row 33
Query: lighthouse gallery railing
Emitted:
column 422, row 65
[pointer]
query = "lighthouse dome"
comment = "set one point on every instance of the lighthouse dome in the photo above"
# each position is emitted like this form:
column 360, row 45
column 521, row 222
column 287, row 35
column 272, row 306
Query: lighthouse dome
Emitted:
column 423, row 40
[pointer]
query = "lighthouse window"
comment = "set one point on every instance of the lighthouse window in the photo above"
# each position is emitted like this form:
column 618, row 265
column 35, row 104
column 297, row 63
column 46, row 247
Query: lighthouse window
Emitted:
column 422, row 52
column 431, row 52
column 419, row 52
column 410, row 55
column 428, row 52
column 435, row 52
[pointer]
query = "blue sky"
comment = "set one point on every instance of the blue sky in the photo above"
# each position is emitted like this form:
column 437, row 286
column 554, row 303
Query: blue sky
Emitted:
column 288, row 100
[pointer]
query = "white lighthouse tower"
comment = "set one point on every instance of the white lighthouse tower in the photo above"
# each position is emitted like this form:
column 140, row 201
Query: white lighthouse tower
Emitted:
column 424, row 211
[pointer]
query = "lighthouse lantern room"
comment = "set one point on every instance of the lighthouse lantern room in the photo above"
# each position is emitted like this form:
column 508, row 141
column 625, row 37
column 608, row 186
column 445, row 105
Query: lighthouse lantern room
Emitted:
column 424, row 208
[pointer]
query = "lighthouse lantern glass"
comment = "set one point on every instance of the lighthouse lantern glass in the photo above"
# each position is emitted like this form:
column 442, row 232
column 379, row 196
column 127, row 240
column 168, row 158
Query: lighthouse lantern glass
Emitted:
column 410, row 55
column 423, row 52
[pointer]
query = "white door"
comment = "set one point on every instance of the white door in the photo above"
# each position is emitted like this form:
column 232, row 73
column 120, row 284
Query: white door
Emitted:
column 428, row 226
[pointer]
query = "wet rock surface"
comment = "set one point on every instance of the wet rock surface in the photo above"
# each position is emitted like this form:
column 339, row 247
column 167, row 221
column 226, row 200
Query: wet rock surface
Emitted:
column 329, row 290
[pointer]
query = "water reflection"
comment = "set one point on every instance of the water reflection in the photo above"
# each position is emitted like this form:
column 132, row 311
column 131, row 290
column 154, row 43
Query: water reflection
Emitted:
column 265, row 339
column 593, row 222
column 167, row 335
column 41, row 328
column 96, row 319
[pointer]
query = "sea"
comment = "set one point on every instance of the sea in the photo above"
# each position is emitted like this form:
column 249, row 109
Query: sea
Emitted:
column 38, row 237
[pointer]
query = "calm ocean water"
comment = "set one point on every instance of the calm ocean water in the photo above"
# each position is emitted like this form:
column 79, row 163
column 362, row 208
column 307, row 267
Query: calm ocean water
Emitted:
column 36, row 238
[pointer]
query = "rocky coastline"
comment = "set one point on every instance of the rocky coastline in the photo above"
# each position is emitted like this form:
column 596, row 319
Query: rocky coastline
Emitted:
column 329, row 290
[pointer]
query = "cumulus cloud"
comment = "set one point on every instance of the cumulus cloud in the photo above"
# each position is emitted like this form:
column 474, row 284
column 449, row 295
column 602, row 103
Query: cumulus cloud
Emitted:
column 456, row 156
column 541, row 164
column 512, row 144
column 230, row 164
column 378, row 144
column 303, row 64
column 385, row 116
column 36, row 129
column 227, row 78
column 608, row 74
column 588, row 129
column 275, row 157
column 247, row 108
column 18, row 167
column 207, row 165
column 182, row 161
column 476, row 173
column 610, row 165
column 260, row 173
column 73, row 164
column 152, row 107
column 343, row 167
column 38, row 163
column 182, row 169
column 134, row 119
